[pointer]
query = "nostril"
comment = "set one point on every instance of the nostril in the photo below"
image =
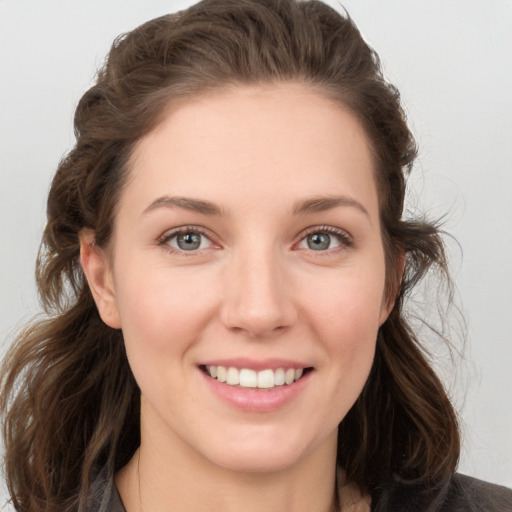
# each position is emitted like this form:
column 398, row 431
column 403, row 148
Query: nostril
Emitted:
column 258, row 305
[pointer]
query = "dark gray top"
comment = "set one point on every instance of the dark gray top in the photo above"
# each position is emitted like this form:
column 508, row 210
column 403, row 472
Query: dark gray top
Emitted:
column 460, row 494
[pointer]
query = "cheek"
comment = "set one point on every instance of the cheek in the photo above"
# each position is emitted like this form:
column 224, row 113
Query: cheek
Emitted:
column 351, row 304
column 163, row 310
column 347, row 320
column 163, row 316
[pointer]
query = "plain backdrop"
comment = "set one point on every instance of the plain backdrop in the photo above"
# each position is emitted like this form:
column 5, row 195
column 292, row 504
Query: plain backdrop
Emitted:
column 451, row 60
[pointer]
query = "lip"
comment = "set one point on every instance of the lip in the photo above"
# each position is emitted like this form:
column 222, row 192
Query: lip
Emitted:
column 257, row 365
column 252, row 400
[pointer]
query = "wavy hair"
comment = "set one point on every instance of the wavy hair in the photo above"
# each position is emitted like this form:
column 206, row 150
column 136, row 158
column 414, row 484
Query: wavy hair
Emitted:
column 69, row 400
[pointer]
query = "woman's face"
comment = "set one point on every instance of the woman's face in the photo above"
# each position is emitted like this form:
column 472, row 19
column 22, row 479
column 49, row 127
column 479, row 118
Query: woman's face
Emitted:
column 247, row 246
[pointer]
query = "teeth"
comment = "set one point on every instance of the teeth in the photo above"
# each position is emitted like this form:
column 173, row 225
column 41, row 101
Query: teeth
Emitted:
column 266, row 379
column 233, row 377
column 279, row 379
column 247, row 378
column 221, row 374
column 289, row 376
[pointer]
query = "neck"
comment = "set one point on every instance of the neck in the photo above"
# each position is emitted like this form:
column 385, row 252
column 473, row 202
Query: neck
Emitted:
column 163, row 477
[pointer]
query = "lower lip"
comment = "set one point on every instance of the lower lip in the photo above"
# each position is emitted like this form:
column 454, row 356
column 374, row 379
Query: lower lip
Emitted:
column 253, row 400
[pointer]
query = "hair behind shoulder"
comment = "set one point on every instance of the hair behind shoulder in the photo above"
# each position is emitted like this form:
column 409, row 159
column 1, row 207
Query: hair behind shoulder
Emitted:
column 68, row 396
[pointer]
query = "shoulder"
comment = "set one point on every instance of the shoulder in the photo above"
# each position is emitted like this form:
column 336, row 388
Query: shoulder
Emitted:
column 460, row 493
column 103, row 495
column 470, row 494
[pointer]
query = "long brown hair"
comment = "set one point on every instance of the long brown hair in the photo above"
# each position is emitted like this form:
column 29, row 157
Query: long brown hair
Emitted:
column 69, row 399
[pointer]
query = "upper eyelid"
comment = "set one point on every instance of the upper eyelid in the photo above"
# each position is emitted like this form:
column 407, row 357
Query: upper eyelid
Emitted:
column 325, row 229
column 184, row 229
column 171, row 233
column 345, row 238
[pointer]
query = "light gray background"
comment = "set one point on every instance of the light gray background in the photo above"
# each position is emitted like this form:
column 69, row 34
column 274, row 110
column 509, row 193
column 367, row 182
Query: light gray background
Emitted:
column 452, row 61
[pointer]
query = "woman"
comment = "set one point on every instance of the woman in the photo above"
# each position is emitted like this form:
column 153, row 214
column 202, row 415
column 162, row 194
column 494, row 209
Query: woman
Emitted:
column 225, row 266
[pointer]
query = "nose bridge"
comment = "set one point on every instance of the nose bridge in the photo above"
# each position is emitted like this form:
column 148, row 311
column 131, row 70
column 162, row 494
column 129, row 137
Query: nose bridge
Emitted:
column 258, row 297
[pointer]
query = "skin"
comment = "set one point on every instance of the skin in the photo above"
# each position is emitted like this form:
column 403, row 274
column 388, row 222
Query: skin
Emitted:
column 254, row 289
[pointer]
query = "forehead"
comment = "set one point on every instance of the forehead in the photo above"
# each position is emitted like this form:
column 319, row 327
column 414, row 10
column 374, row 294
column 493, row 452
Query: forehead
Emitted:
column 264, row 142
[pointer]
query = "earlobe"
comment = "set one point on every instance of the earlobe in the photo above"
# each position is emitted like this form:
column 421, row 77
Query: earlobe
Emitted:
column 97, row 270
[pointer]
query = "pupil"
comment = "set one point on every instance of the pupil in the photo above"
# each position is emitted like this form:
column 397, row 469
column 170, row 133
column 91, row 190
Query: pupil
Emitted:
column 319, row 241
column 189, row 241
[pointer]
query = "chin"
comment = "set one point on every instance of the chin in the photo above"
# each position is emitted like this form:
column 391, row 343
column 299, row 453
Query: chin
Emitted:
column 270, row 455
column 257, row 461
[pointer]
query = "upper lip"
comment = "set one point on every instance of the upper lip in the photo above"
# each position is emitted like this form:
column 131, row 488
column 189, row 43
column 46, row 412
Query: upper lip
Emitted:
column 254, row 364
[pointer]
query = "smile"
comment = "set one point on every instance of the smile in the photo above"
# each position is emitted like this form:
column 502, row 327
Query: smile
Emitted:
column 248, row 378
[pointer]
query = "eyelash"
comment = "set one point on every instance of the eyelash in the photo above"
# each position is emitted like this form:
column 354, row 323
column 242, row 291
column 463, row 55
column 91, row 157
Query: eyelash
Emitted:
column 344, row 238
column 183, row 230
column 346, row 241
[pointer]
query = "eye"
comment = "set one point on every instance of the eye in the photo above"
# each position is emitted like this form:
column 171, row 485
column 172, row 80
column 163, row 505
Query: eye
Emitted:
column 320, row 241
column 186, row 239
column 324, row 239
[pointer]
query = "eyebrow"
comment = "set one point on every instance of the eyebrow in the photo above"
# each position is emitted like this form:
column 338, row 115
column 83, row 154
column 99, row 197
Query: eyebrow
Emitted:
column 187, row 203
column 321, row 204
column 312, row 205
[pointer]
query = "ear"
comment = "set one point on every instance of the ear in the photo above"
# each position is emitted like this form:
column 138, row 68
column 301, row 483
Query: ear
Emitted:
column 389, row 299
column 97, row 269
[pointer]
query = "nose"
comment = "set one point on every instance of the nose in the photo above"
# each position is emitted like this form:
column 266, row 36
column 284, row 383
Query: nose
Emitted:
column 258, row 295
